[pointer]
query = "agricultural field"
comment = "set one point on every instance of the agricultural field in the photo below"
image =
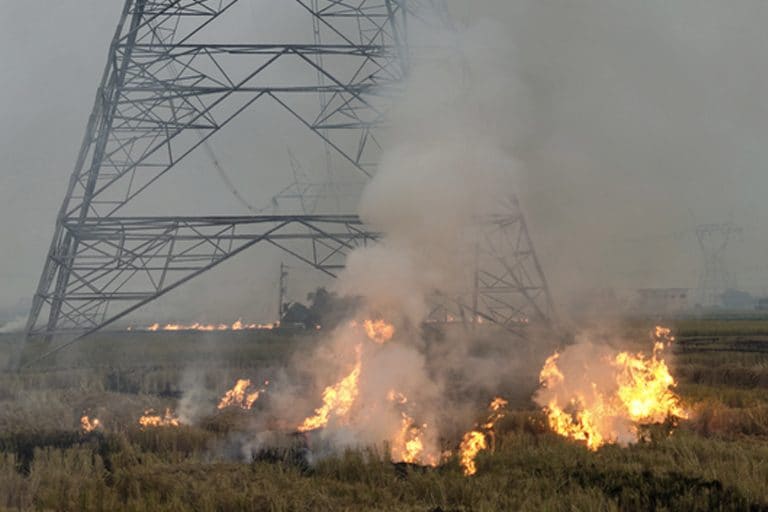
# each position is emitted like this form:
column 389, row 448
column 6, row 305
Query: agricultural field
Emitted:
column 717, row 459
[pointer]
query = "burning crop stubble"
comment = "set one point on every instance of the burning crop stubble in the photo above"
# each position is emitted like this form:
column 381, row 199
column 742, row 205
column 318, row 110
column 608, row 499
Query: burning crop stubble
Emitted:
column 437, row 139
column 379, row 382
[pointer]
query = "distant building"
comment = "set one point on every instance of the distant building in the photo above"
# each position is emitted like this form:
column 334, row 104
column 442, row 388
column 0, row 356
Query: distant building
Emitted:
column 737, row 299
column 662, row 300
column 598, row 301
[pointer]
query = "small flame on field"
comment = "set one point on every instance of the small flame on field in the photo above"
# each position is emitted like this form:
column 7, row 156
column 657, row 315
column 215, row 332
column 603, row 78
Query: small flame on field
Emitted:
column 395, row 396
column 661, row 334
column 407, row 444
column 239, row 395
column 150, row 419
column 476, row 440
column 337, row 399
column 238, row 325
column 89, row 425
column 498, row 408
column 641, row 393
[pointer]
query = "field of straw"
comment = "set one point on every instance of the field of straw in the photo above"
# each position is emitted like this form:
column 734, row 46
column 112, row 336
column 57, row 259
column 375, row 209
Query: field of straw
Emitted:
column 716, row 460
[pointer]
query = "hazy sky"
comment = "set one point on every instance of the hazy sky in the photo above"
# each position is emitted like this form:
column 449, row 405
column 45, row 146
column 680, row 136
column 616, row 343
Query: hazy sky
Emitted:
column 633, row 122
column 52, row 55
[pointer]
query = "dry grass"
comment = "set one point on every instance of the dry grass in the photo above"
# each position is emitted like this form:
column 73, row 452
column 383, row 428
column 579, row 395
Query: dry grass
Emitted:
column 528, row 471
column 718, row 460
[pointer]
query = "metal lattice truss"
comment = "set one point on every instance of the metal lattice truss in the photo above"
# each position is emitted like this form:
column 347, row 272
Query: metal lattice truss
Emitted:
column 714, row 278
column 167, row 88
column 123, row 263
column 509, row 287
column 164, row 93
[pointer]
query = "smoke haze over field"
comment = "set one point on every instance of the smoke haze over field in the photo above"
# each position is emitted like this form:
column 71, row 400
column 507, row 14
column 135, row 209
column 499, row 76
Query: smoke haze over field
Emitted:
column 628, row 123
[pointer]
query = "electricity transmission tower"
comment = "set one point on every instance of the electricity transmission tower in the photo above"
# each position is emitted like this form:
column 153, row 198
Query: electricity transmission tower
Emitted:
column 168, row 86
column 714, row 279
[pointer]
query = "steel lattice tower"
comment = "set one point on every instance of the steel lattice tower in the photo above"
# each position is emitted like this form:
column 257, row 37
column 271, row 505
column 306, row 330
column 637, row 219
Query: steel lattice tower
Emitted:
column 714, row 279
column 167, row 88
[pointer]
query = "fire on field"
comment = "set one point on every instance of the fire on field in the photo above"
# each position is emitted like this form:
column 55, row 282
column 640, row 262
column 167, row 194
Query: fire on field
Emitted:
column 376, row 396
column 502, row 444
column 597, row 397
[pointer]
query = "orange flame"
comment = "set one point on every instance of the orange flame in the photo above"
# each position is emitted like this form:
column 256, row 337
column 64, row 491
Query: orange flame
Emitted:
column 89, row 425
column 661, row 334
column 475, row 441
column 379, row 330
column 471, row 444
column 337, row 399
column 238, row 395
column 149, row 419
column 407, row 444
column 395, row 396
column 238, row 325
column 641, row 393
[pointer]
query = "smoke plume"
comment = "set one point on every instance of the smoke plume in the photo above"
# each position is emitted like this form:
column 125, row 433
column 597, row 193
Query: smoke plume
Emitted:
column 446, row 166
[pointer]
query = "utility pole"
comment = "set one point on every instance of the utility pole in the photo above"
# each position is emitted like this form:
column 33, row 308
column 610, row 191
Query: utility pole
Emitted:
column 282, row 291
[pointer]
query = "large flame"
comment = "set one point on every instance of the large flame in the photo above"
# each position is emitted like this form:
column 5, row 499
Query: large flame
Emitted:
column 150, row 419
column 476, row 440
column 238, row 325
column 337, row 399
column 639, row 391
column 239, row 395
column 89, row 425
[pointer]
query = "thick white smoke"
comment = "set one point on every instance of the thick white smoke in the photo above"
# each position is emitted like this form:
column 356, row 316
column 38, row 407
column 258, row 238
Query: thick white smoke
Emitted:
column 446, row 167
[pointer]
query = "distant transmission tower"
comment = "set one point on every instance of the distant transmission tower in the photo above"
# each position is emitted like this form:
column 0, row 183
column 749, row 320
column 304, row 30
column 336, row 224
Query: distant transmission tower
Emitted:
column 168, row 86
column 714, row 278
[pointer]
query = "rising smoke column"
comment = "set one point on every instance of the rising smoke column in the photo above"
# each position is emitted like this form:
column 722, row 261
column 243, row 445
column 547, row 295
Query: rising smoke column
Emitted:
column 446, row 166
